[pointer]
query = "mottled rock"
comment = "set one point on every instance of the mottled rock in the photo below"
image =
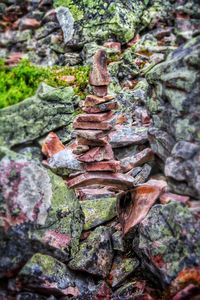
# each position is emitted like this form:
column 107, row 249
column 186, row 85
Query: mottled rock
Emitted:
column 92, row 125
column 138, row 159
column 66, row 22
column 118, row 180
column 100, row 91
column 28, row 23
column 183, row 166
column 95, row 254
column 50, row 109
column 168, row 241
column 63, row 163
column 121, row 269
column 46, row 274
column 98, row 211
column 99, row 74
column 92, row 100
column 52, row 145
column 115, row 20
column 167, row 197
column 133, row 206
column 125, row 135
column 38, row 213
column 140, row 174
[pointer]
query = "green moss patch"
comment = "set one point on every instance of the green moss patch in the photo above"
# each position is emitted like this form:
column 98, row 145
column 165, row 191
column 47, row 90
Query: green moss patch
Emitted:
column 22, row 81
column 74, row 9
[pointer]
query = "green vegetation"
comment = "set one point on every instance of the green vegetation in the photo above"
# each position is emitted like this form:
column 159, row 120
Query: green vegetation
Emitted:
column 22, row 81
column 75, row 10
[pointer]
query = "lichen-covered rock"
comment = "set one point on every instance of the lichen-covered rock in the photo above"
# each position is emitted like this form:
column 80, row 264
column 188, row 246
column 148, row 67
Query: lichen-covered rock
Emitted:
column 37, row 213
column 66, row 22
column 95, row 254
column 177, row 88
column 183, row 169
column 47, row 275
column 105, row 19
column 121, row 269
column 36, row 116
column 168, row 241
column 98, row 211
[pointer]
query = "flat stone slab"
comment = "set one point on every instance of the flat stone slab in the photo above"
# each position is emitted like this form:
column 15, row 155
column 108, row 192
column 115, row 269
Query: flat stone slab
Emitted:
column 107, row 106
column 94, row 117
column 97, row 154
column 92, row 125
column 126, row 135
column 118, row 180
column 93, row 193
column 94, row 143
column 92, row 100
column 103, row 166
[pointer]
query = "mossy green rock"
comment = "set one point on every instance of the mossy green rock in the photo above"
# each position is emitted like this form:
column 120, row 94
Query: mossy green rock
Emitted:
column 177, row 88
column 168, row 241
column 50, row 276
column 51, row 108
column 95, row 254
column 98, row 211
column 105, row 19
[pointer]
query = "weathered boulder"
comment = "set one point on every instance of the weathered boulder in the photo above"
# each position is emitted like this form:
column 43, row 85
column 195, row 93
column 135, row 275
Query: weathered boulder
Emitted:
column 168, row 241
column 37, row 213
column 51, row 108
column 105, row 20
column 177, row 89
column 183, row 169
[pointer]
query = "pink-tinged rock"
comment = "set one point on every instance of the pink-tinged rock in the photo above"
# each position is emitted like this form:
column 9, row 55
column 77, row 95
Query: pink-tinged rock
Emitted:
column 91, row 125
column 190, row 292
column 50, row 16
column 68, row 79
column 104, row 293
column 56, row 239
column 29, row 23
column 134, row 40
column 94, row 117
column 104, row 166
column 100, row 91
column 97, row 154
column 113, row 45
column 92, row 100
column 133, row 206
column 167, row 197
column 107, row 106
column 93, row 143
column 142, row 115
column 99, row 75
column 136, row 160
column 80, row 149
column 14, row 58
column 93, row 193
column 118, row 180
column 52, row 145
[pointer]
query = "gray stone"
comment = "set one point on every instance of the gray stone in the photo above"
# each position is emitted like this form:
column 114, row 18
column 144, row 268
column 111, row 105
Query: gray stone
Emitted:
column 66, row 22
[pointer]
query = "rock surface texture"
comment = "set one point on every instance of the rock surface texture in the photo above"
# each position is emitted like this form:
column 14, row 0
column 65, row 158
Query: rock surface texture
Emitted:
column 100, row 189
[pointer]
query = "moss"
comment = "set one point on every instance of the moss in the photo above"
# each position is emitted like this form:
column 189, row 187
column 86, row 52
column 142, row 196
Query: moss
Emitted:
column 74, row 9
column 22, row 81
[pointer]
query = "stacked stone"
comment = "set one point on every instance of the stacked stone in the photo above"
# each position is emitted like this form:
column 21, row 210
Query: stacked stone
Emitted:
column 92, row 129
